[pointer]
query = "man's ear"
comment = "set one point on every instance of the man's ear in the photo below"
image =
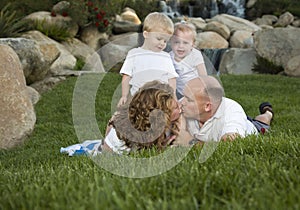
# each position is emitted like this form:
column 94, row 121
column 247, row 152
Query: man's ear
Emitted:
column 208, row 106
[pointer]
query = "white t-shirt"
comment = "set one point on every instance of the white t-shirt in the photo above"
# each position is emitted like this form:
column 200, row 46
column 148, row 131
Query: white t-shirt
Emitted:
column 145, row 66
column 229, row 118
column 186, row 68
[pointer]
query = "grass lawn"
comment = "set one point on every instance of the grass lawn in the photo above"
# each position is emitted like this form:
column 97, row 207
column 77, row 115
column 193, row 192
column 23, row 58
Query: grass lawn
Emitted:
column 252, row 173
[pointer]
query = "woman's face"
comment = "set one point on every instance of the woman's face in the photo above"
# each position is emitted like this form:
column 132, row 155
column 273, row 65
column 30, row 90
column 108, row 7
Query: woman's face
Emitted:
column 176, row 107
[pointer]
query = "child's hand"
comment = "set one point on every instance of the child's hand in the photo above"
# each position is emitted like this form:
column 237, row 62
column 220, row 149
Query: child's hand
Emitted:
column 122, row 101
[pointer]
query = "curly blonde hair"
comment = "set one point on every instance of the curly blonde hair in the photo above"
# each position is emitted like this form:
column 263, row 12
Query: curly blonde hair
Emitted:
column 145, row 121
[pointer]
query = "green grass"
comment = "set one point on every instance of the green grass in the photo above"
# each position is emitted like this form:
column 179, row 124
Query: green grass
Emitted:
column 252, row 173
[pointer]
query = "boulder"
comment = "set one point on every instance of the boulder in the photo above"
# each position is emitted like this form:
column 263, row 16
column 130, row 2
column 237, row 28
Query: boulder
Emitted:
column 284, row 20
column 58, row 56
column 236, row 23
column 45, row 17
column 210, row 39
column 120, row 27
column 277, row 45
column 241, row 39
column 91, row 36
column 293, row 67
column 219, row 28
column 130, row 15
column 238, row 61
column 17, row 112
column 34, row 64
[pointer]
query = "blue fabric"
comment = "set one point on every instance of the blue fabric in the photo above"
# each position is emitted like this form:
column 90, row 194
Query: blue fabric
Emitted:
column 88, row 147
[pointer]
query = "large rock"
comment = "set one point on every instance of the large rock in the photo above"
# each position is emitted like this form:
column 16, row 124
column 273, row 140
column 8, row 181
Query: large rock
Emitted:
column 285, row 19
column 277, row 45
column 17, row 113
column 45, row 17
column 236, row 23
column 219, row 28
column 241, row 39
column 33, row 62
column 210, row 40
column 91, row 36
column 293, row 67
column 57, row 56
column 238, row 61
column 130, row 15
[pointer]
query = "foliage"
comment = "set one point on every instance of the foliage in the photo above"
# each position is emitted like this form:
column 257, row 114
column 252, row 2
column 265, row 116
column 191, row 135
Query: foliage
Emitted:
column 275, row 7
column 265, row 66
column 54, row 31
column 10, row 25
column 252, row 173
column 79, row 64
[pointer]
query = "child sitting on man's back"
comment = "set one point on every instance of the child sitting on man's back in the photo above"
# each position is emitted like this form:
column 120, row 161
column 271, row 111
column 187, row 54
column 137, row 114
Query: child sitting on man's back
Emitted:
column 187, row 60
column 149, row 62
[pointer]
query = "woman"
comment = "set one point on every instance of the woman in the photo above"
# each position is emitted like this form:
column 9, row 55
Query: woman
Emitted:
column 149, row 119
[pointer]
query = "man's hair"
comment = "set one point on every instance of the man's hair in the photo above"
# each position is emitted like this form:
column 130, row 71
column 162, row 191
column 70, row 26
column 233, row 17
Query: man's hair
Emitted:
column 158, row 22
column 185, row 27
column 134, row 124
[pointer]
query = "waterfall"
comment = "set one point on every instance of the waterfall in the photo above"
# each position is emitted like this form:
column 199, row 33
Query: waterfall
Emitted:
column 208, row 8
column 233, row 7
column 212, row 59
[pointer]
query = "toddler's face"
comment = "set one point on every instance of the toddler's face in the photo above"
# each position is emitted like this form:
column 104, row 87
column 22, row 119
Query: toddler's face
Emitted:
column 182, row 44
column 156, row 41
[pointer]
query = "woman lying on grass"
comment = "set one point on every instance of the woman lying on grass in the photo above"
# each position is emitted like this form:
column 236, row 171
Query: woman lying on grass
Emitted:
column 150, row 119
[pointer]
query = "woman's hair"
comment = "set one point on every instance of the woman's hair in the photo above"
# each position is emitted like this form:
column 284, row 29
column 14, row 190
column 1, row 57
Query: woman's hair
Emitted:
column 145, row 121
column 158, row 22
column 185, row 27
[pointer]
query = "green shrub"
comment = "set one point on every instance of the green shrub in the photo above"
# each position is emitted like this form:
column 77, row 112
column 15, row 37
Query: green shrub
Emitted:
column 10, row 24
column 264, row 66
column 275, row 7
column 79, row 64
column 54, row 31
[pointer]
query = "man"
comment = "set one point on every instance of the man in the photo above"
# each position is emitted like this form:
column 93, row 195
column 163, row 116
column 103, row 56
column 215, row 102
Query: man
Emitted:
column 209, row 116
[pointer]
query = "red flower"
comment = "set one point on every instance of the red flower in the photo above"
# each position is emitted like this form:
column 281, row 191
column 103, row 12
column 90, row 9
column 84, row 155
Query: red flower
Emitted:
column 97, row 24
column 99, row 16
column 90, row 3
column 102, row 13
column 53, row 14
column 105, row 22
column 96, row 8
column 64, row 14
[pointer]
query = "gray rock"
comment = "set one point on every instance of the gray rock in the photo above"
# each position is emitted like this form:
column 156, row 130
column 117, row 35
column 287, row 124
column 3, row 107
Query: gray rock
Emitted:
column 17, row 113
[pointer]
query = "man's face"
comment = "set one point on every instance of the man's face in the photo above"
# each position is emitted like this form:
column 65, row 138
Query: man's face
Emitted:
column 189, row 104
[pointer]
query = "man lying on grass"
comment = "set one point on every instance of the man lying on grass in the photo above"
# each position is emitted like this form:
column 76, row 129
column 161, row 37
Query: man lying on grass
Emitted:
column 209, row 116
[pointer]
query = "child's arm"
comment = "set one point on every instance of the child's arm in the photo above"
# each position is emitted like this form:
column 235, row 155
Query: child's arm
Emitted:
column 125, row 89
column 201, row 69
column 172, row 83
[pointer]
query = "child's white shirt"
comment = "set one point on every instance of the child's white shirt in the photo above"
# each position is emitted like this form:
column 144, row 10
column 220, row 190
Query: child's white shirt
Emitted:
column 186, row 68
column 144, row 66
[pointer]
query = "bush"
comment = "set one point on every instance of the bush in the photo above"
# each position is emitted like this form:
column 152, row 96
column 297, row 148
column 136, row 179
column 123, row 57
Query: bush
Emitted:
column 275, row 7
column 265, row 66
column 10, row 24
column 54, row 31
